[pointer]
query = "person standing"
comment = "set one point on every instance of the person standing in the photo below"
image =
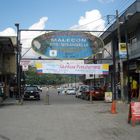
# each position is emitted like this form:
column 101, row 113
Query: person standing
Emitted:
column 119, row 90
column 134, row 89
column 11, row 91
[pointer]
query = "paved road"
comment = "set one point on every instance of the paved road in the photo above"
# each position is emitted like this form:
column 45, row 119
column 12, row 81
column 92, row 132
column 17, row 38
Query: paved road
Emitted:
column 66, row 118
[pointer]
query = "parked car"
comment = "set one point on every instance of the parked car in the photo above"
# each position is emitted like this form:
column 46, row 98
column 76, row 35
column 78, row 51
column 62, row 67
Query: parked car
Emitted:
column 79, row 90
column 31, row 92
column 70, row 91
column 64, row 91
column 39, row 87
column 61, row 91
column 96, row 92
column 85, row 92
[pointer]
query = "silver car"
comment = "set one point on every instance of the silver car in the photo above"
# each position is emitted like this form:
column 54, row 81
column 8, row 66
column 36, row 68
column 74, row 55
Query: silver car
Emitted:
column 79, row 90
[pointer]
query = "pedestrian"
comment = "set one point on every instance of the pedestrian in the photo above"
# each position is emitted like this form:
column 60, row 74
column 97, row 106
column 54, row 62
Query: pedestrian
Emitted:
column 119, row 90
column 134, row 88
column 1, row 91
column 7, row 90
column 11, row 91
column 16, row 91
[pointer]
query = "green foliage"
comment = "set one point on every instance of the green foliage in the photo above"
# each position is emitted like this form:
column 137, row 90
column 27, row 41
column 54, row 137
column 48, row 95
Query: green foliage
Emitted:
column 31, row 77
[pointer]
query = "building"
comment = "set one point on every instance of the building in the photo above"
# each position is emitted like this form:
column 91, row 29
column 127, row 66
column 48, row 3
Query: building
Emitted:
column 126, row 29
column 7, row 61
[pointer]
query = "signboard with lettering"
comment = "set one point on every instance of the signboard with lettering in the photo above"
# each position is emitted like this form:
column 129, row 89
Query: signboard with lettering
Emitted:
column 134, row 112
column 25, row 64
column 63, row 68
column 108, row 96
column 122, row 50
column 67, row 45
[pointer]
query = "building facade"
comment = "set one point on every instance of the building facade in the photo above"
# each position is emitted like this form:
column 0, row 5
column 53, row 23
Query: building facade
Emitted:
column 8, row 66
column 126, row 68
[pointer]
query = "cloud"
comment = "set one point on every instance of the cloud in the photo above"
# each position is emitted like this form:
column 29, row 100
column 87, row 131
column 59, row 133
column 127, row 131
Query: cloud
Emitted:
column 27, row 36
column 106, row 1
column 40, row 24
column 8, row 32
column 92, row 20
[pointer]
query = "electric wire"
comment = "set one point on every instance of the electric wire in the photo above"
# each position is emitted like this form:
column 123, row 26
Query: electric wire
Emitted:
column 125, row 4
column 79, row 26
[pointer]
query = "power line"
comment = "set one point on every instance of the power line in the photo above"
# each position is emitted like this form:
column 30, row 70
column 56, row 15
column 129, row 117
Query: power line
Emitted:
column 90, row 22
column 124, row 5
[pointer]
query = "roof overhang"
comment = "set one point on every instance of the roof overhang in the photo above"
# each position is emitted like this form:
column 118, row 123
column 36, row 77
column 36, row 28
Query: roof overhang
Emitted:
column 6, row 45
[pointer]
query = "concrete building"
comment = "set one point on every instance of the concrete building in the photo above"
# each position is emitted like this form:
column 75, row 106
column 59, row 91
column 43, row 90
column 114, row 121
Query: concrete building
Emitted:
column 126, row 29
column 7, row 61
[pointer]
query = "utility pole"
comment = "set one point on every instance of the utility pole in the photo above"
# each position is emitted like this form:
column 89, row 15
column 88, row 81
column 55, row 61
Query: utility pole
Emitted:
column 128, row 73
column 120, row 60
column 18, row 64
column 94, row 81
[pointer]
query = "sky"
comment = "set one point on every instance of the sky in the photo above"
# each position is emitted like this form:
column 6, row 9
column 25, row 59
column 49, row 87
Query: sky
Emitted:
column 56, row 14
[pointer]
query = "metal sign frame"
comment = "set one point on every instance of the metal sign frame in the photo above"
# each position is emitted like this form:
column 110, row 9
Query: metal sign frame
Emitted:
column 19, row 57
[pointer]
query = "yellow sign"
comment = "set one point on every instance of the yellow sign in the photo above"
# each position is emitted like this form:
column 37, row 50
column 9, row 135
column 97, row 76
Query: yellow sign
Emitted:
column 122, row 50
column 108, row 96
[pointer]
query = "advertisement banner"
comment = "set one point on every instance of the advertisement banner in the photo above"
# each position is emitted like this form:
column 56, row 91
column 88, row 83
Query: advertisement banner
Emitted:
column 63, row 68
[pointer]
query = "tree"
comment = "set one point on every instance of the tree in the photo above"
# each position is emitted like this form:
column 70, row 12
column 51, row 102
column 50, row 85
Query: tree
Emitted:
column 31, row 77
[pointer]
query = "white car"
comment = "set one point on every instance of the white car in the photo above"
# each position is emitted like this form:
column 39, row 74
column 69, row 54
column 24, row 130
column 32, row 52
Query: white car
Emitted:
column 61, row 91
column 70, row 91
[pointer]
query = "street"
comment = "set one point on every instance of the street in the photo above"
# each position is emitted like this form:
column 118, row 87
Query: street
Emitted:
column 65, row 118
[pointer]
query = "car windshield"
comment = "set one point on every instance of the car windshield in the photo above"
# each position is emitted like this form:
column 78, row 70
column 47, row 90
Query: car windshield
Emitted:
column 84, row 88
column 33, row 88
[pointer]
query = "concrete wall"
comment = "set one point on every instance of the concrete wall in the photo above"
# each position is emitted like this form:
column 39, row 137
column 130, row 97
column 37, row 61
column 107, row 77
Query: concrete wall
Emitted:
column 10, row 64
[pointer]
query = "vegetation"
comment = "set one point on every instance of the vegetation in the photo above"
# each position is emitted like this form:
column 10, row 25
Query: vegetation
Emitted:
column 31, row 77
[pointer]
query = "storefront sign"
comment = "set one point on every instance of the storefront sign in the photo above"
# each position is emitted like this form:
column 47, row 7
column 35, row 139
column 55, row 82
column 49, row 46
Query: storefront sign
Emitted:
column 122, row 50
column 67, row 45
column 108, row 96
column 24, row 64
